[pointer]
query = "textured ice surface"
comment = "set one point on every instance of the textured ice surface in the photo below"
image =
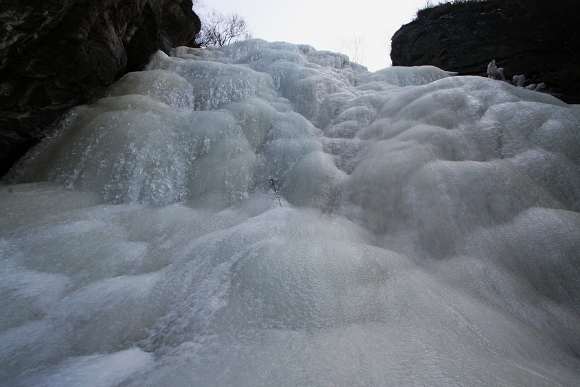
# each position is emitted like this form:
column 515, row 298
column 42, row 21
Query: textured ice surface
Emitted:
column 429, row 233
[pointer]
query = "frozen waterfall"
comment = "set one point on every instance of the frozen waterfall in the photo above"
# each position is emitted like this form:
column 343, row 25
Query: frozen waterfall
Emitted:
column 427, row 234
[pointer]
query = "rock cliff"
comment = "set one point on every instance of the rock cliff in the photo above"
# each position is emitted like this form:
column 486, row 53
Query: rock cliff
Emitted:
column 56, row 54
column 535, row 37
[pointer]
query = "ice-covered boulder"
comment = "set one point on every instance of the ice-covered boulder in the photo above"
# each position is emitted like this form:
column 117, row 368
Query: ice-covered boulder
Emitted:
column 61, row 53
column 534, row 37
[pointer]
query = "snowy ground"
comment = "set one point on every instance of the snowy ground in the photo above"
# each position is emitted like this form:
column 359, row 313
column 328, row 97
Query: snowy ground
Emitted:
column 429, row 232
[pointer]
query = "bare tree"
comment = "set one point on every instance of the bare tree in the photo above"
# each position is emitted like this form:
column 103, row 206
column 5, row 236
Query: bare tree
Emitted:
column 354, row 48
column 219, row 30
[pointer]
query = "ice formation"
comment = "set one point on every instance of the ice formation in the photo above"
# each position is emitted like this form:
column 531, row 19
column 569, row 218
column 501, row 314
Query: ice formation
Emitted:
column 429, row 232
column 495, row 72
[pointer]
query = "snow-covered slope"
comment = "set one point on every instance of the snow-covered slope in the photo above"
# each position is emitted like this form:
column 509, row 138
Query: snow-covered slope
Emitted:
column 427, row 231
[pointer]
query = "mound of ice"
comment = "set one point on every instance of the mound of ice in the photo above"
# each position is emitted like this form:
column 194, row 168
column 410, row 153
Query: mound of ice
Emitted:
column 427, row 232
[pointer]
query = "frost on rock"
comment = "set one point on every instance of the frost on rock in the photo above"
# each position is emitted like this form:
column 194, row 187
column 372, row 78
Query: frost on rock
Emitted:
column 495, row 72
column 518, row 80
column 428, row 232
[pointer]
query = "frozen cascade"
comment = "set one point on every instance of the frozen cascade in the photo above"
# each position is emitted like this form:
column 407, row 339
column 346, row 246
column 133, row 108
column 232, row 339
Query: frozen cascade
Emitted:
column 429, row 233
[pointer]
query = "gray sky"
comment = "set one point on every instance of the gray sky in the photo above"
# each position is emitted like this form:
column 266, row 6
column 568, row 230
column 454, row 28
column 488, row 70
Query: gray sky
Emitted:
column 327, row 24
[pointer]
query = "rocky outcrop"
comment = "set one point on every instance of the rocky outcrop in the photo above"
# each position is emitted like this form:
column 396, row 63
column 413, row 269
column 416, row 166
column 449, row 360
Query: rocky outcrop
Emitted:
column 533, row 37
column 55, row 54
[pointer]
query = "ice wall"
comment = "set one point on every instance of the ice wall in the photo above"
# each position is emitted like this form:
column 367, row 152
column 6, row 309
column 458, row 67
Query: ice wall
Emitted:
column 429, row 232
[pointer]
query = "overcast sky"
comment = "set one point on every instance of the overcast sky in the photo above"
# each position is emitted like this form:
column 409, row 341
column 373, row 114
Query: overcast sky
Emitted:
column 327, row 24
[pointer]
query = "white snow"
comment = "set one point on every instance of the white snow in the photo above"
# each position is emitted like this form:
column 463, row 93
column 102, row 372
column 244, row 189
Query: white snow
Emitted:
column 429, row 232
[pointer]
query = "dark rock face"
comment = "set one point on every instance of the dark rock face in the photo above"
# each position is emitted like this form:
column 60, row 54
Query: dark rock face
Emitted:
column 55, row 54
column 534, row 37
